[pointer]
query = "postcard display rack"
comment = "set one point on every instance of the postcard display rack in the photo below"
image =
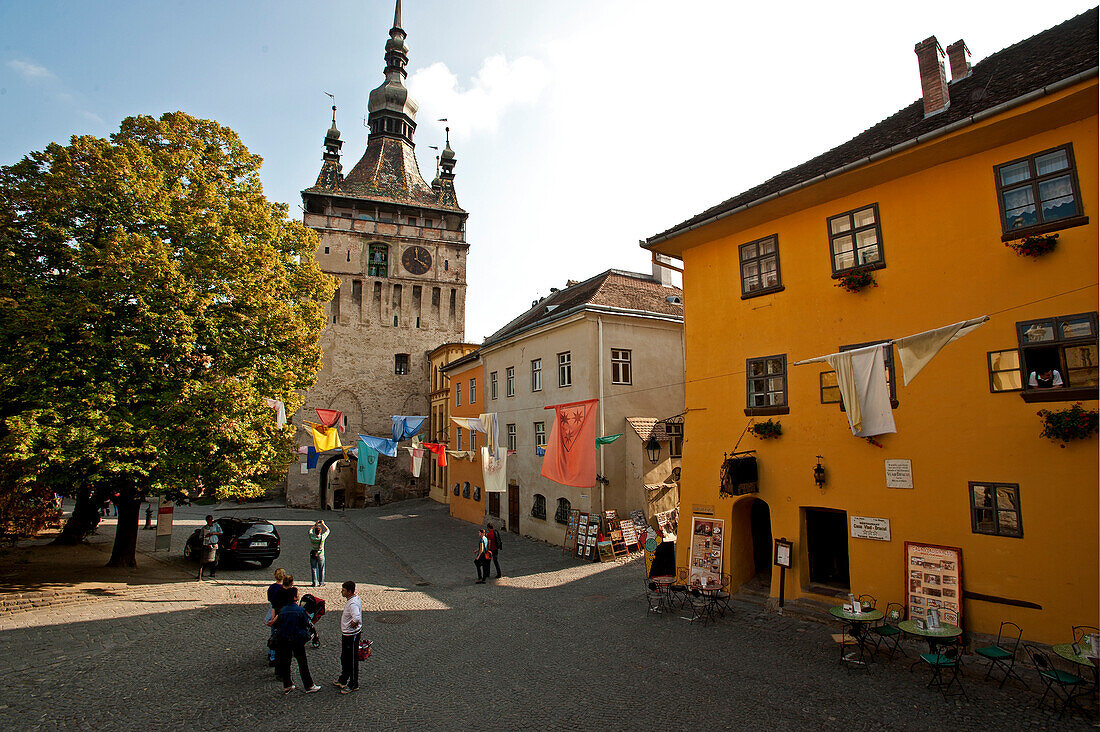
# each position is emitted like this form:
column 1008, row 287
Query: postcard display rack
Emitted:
column 705, row 568
column 570, row 543
column 614, row 532
column 586, row 535
column 933, row 581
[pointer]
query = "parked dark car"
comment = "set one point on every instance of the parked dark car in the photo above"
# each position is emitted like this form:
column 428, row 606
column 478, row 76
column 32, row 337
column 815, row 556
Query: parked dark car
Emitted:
column 242, row 540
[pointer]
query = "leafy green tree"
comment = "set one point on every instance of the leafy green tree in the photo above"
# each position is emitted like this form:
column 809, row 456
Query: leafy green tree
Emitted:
column 151, row 297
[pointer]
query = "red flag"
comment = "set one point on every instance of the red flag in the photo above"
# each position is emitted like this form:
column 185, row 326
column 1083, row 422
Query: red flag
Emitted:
column 330, row 418
column 571, row 453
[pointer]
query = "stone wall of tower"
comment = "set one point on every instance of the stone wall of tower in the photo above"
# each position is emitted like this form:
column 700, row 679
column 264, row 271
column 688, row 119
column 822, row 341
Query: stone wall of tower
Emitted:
column 361, row 341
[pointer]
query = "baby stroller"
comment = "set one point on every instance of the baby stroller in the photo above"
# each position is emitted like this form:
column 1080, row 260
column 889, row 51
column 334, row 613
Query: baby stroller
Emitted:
column 315, row 610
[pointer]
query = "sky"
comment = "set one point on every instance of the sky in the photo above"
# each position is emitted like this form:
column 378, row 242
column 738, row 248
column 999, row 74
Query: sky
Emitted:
column 580, row 126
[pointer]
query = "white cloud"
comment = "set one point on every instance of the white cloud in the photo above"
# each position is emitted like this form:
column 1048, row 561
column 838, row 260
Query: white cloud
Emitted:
column 30, row 71
column 91, row 117
column 499, row 85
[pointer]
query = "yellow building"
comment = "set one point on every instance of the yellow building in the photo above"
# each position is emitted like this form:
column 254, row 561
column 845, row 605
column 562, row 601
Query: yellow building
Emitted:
column 927, row 202
column 439, row 414
column 466, row 494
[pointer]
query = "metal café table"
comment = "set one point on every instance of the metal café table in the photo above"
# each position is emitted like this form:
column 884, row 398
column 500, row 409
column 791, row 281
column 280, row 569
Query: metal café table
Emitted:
column 856, row 623
column 946, row 633
column 1065, row 650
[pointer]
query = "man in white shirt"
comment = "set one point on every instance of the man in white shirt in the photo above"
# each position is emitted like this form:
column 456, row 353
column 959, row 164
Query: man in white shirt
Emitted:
column 1045, row 379
column 351, row 624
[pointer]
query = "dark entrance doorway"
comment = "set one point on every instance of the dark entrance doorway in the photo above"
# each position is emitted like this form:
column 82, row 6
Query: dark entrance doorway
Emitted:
column 513, row 507
column 326, row 481
column 827, row 548
column 760, row 522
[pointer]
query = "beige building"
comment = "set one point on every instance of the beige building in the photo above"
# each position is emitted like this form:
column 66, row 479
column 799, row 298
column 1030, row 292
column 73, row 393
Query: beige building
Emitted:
column 616, row 337
column 440, row 412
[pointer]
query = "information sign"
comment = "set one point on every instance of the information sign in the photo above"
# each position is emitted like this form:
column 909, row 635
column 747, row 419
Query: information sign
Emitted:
column 865, row 527
column 899, row 473
column 933, row 581
column 705, row 559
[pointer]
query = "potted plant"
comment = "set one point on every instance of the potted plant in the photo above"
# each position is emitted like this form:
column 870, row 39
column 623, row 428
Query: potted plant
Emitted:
column 1072, row 423
column 856, row 279
column 767, row 430
column 1033, row 246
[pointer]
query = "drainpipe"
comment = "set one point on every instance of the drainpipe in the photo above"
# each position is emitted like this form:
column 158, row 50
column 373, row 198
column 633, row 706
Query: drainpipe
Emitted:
column 599, row 380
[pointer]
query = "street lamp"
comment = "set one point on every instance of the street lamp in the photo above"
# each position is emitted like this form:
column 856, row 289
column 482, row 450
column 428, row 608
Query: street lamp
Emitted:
column 653, row 449
column 819, row 473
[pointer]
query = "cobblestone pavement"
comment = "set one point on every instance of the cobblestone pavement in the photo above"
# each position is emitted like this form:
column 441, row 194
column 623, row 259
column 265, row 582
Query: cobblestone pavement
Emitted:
column 555, row 644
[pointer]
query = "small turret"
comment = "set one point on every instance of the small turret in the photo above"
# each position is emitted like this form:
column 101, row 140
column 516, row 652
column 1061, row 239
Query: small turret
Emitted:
column 331, row 171
column 447, row 160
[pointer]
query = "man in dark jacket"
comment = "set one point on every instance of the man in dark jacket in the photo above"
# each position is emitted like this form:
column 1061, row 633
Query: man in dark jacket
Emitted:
column 494, row 545
column 291, row 633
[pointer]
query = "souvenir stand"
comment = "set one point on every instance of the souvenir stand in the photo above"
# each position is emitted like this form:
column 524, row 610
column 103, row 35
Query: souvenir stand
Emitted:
column 570, row 543
column 613, row 532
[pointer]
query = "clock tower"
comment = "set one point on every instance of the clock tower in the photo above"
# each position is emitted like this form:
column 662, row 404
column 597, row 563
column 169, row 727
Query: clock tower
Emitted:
column 397, row 247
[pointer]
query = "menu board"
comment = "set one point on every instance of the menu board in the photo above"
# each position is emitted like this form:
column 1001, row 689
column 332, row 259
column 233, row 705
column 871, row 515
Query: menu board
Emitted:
column 582, row 535
column 570, row 542
column 705, row 558
column 933, row 581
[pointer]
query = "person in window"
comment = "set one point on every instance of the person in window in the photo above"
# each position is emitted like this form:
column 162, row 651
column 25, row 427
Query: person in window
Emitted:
column 1045, row 379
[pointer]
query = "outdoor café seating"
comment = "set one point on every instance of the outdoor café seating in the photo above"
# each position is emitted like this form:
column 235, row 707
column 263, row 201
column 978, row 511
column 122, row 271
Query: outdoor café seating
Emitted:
column 1066, row 686
column 1002, row 654
column 945, row 669
column 887, row 632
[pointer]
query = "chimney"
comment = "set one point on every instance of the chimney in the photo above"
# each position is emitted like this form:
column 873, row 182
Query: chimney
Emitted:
column 933, row 80
column 957, row 54
column 661, row 275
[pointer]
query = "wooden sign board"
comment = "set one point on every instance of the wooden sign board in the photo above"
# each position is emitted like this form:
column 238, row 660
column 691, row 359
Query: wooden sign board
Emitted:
column 582, row 536
column 570, row 543
column 933, row 581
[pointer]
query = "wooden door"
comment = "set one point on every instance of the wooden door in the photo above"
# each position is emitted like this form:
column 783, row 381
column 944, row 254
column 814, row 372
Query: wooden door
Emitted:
column 513, row 507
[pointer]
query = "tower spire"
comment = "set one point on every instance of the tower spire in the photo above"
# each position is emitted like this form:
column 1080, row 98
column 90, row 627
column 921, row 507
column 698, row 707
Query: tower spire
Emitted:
column 391, row 112
column 397, row 15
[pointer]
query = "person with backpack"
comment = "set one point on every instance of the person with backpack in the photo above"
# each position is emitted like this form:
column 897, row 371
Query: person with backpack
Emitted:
column 351, row 624
column 494, row 544
column 291, row 633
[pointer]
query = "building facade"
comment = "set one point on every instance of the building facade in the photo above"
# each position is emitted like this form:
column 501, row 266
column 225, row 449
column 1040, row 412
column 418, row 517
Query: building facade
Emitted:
column 397, row 246
column 925, row 203
column 467, row 499
column 616, row 337
column 439, row 411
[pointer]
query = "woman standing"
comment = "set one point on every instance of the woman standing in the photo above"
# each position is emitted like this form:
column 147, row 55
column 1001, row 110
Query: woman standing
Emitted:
column 291, row 633
column 317, row 536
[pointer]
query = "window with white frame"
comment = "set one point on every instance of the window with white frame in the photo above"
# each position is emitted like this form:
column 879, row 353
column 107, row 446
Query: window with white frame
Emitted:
column 458, row 393
column 565, row 369
column 540, row 434
column 620, row 366
column 473, row 390
column 510, row 381
column 536, row 374
column 493, row 385
column 458, row 438
column 511, row 437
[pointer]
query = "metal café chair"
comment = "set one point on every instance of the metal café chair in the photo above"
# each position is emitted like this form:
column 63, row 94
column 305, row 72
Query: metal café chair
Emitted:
column 655, row 596
column 945, row 667
column 867, row 602
column 888, row 631
column 723, row 597
column 1002, row 654
column 1080, row 631
column 1064, row 684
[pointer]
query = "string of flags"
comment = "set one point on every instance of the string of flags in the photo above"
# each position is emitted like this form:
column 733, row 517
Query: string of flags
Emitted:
column 569, row 457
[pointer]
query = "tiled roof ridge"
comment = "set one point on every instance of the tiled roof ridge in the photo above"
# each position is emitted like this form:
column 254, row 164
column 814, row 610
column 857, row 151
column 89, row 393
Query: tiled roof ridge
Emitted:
column 909, row 123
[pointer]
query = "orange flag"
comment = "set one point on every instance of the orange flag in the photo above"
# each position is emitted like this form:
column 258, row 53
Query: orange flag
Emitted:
column 571, row 453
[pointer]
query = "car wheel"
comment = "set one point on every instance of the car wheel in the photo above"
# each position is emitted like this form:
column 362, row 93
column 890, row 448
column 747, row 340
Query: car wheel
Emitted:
column 266, row 562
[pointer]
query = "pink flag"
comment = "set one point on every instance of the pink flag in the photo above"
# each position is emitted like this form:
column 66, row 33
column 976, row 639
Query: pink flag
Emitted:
column 571, row 453
column 333, row 418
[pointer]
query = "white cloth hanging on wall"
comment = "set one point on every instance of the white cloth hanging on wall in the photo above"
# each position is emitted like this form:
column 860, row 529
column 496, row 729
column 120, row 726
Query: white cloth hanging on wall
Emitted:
column 494, row 470
column 917, row 350
column 861, row 376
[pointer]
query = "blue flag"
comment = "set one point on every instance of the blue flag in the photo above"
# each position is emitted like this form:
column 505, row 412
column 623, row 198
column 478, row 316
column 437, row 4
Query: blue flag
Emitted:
column 367, row 464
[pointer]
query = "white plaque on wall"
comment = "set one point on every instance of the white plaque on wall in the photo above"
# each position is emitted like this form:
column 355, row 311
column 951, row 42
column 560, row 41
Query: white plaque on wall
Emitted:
column 865, row 527
column 899, row 473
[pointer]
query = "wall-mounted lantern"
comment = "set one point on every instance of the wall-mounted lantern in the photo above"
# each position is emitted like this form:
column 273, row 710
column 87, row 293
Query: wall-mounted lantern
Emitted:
column 819, row 473
column 653, row 449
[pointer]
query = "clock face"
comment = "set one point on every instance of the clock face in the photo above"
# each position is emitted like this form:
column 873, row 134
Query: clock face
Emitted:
column 417, row 260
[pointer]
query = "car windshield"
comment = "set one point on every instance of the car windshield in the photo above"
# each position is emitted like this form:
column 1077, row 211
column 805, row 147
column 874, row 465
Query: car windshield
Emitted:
column 261, row 528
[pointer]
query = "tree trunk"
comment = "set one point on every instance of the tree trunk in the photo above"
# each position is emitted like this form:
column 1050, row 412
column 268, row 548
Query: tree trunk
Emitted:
column 124, row 551
column 83, row 521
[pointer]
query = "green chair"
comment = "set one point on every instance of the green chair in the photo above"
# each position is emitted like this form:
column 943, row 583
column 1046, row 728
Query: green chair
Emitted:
column 888, row 631
column 1002, row 654
column 945, row 670
column 1064, row 684
column 866, row 602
